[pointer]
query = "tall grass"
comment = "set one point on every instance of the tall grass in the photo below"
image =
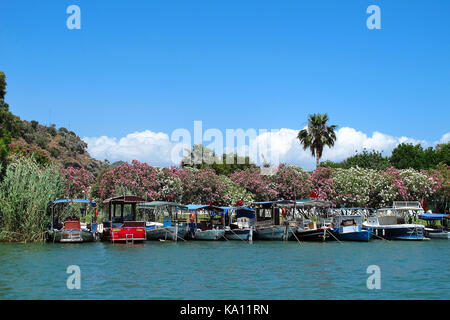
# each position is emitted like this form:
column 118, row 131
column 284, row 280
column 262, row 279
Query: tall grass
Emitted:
column 25, row 195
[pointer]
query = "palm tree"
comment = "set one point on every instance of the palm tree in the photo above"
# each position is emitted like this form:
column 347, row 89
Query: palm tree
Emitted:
column 317, row 135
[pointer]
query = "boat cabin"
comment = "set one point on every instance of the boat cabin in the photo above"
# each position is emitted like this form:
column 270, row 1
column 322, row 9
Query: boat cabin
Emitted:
column 70, row 228
column 123, row 228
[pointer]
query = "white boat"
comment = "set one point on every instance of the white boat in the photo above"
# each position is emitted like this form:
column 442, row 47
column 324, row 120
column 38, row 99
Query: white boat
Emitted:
column 390, row 223
column 170, row 228
column 212, row 234
column 437, row 233
column 432, row 230
column 210, row 228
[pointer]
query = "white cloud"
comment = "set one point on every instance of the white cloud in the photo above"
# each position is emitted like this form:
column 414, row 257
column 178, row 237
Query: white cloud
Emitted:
column 445, row 138
column 147, row 146
column 155, row 148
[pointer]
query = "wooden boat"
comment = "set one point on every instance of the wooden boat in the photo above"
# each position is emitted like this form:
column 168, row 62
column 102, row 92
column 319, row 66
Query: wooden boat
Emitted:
column 307, row 228
column 432, row 230
column 390, row 223
column 124, row 228
column 268, row 225
column 309, row 231
column 71, row 229
column 240, row 223
column 209, row 229
column 171, row 227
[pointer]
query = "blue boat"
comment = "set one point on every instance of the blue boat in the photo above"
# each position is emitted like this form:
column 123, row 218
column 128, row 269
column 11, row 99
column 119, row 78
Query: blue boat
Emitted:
column 349, row 228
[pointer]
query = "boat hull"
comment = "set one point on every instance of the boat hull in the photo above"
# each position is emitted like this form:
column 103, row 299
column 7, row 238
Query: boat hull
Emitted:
column 398, row 232
column 72, row 236
column 209, row 235
column 272, row 233
column 437, row 234
column 167, row 233
column 320, row 234
column 128, row 235
column 363, row 235
column 239, row 234
column 351, row 233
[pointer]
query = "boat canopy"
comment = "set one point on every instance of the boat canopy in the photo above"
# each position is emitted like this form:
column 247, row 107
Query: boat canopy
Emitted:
column 156, row 204
column 212, row 209
column 124, row 200
column 433, row 216
column 276, row 203
column 313, row 203
column 91, row 202
column 241, row 211
column 291, row 203
column 407, row 205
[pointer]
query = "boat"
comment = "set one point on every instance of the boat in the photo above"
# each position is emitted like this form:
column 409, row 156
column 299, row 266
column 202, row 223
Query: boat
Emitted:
column 170, row 228
column 268, row 225
column 123, row 228
column 431, row 229
column 71, row 230
column 206, row 229
column 240, row 222
column 311, row 225
column 349, row 228
column 391, row 223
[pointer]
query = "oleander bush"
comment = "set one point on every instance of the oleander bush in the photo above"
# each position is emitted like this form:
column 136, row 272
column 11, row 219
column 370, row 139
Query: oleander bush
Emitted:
column 29, row 186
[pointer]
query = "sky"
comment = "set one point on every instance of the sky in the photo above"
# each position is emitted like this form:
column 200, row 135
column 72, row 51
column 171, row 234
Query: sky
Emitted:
column 137, row 71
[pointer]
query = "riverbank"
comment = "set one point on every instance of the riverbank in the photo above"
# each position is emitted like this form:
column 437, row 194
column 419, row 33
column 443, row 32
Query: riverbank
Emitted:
column 226, row 270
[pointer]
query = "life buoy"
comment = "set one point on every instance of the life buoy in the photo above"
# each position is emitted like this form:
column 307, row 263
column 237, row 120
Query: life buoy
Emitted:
column 284, row 212
column 192, row 217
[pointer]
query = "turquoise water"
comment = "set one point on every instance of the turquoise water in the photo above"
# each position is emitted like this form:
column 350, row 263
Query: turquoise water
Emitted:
column 226, row 270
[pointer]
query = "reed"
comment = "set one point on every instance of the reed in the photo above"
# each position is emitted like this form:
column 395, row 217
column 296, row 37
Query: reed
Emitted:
column 25, row 195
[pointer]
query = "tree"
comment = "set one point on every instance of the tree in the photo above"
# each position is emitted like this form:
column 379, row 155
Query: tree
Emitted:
column 2, row 86
column 406, row 156
column 317, row 135
column 366, row 159
column 9, row 124
column 201, row 157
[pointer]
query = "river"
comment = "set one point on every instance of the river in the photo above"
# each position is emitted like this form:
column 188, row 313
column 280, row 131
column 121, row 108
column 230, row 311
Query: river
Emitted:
column 226, row 270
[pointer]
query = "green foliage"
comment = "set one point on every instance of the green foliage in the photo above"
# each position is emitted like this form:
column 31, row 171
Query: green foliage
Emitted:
column 442, row 154
column 2, row 85
column 25, row 194
column 201, row 158
column 317, row 135
column 406, row 156
column 366, row 159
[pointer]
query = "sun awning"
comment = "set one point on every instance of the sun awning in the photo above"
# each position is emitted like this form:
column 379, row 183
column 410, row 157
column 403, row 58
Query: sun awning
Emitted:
column 432, row 216
column 91, row 202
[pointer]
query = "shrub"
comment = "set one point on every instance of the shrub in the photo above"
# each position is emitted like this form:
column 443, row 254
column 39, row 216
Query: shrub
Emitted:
column 25, row 195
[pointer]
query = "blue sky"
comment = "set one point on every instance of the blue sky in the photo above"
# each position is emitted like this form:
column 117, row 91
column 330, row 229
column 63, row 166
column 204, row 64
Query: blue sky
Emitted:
column 154, row 66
